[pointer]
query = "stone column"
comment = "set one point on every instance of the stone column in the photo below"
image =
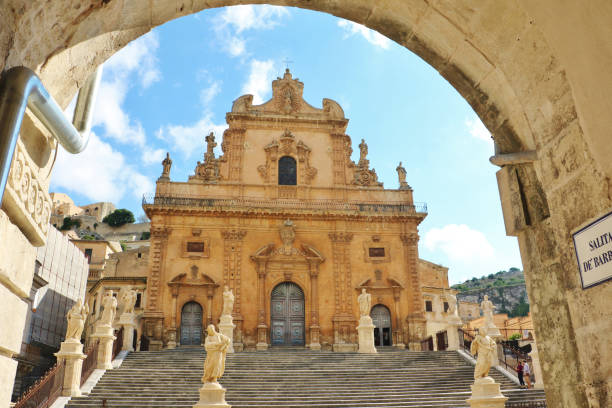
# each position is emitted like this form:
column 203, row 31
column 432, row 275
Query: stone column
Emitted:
column 366, row 335
column 399, row 341
column 71, row 351
column 314, row 305
column 262, row 328
column 486, row 394
column 226, row 327
column 104, row 333
column 452, row 332
column 535, row 366
column 128, row 321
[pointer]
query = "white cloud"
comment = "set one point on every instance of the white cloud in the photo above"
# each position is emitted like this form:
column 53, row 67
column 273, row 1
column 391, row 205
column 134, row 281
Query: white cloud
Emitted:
column 373, row 37
column 459, row 243
column 233, row 21
column 99, row 173
column 136, row 63
column 190, row 139
column 152, row 156
column 208, row 94
column 250, row 17
column 478, row 130
column 260, row 79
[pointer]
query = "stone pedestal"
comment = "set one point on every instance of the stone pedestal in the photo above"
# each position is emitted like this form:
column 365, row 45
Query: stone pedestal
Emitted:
column 262, row 331
column 128, row 321
column 226, row 327
column 212, row 395
column 486, row 394
column 366, row 335
column 104, row 334
column 452, row 333
column 71, row 351
column 492, row 331
column 536, row 369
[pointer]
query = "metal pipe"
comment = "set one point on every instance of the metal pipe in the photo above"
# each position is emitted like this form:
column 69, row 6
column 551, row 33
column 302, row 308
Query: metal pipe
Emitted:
column 20, row 87
column 504, row 159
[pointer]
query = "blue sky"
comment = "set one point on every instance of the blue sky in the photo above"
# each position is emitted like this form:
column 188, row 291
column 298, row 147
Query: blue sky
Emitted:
column 168, row 89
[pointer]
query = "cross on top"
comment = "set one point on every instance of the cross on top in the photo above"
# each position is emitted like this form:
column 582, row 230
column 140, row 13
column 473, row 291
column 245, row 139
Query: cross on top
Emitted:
column 287, row 62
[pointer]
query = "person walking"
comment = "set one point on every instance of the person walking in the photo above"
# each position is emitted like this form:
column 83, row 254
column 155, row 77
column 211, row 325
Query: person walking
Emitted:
column 527, row 374
column 519, row 371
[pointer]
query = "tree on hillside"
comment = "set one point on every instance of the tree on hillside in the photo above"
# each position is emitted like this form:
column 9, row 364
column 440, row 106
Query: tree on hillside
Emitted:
column 119, row 217
column 68, row 223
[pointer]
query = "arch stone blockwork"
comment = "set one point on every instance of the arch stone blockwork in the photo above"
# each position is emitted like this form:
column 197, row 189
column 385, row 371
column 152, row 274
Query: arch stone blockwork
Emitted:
column 535, row 83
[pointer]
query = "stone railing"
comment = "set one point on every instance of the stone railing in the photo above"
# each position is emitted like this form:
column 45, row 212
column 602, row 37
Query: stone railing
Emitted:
column 292, row 204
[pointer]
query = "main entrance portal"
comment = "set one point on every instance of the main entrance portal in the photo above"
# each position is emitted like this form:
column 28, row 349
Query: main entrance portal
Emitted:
column 382, row 325
column 287, row 315
column 191, row 324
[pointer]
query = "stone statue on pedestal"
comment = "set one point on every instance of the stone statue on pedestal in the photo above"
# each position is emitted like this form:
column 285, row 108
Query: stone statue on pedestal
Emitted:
column 76, row 320
column 228, row 302
column 167, row 164
column 109, row 302
column 484, row 347
column 365, row 330
column 363, row 151
column 365, row 303
column 129, row 301
column 401, row 175
column 485, row 391
column 216, row 348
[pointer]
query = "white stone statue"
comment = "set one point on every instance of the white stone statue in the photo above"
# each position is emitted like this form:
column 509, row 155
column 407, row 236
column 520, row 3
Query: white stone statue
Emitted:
column 109, row 302
column 484, row 347
column 487, row 310
column 216, row 348
column 228, row 301
column 76, row 320
column 365, row 303
column 129, row 300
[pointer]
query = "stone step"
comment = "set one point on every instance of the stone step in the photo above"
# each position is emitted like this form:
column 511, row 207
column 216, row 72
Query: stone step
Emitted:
column 296, row 378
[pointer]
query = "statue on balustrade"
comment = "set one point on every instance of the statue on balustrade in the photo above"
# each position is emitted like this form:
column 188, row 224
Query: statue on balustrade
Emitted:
column 484, row 347
column 76, row 320
column 365, row 303
column 216, row 345
column 129, row 300
column 228, row 302
column 109, row 302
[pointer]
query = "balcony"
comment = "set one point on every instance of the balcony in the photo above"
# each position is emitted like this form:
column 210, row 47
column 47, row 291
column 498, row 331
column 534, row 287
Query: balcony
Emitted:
column 281, row 205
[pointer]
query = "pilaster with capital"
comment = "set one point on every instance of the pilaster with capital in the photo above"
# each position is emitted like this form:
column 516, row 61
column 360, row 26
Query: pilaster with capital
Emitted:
column 262, row 328
column 343, row 319
column 232, row 276
column 153, row 316
column 313, row 265
column 416, row 319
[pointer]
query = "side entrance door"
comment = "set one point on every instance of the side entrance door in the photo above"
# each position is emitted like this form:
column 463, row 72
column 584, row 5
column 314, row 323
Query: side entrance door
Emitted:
column 382, row 325
column 191, row 324
column 287, row 315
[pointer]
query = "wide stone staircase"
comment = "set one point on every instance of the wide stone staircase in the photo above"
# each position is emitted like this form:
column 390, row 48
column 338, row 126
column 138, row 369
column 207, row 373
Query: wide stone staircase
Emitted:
column 296, row 378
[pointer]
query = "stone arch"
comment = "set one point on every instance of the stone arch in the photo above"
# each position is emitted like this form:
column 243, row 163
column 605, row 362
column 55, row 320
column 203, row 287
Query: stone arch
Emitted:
column 523, row 77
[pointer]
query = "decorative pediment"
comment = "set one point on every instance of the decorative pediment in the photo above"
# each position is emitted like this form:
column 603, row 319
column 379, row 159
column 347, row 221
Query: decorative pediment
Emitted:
column 288, row 99
column 379, row 284
column 287, row 146
column 193, row 278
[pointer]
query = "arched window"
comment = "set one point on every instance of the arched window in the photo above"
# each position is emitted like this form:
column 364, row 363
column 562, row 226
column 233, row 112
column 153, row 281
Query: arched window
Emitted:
column 287, row 171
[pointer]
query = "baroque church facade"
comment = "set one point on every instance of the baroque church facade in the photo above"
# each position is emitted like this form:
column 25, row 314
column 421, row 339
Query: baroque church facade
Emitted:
column 294, row 227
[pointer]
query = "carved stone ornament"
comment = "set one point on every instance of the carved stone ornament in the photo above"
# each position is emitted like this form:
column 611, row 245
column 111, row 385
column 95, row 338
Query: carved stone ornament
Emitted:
column 287, row 93
column 287, row 235
column 362, row 175
column 166, row 165
column 208, row 171
column 26, row 200
column 287, row 146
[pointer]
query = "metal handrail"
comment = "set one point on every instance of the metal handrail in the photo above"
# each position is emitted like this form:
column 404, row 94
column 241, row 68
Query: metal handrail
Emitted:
column 21, row 87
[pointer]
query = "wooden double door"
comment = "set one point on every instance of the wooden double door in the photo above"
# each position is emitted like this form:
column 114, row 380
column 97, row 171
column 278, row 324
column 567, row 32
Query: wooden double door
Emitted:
column 287, row 315
column 191, row 324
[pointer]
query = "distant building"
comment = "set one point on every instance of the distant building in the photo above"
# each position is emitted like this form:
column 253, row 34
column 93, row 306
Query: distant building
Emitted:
column 468, row 310
column 97, row 253
column 63, row 206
